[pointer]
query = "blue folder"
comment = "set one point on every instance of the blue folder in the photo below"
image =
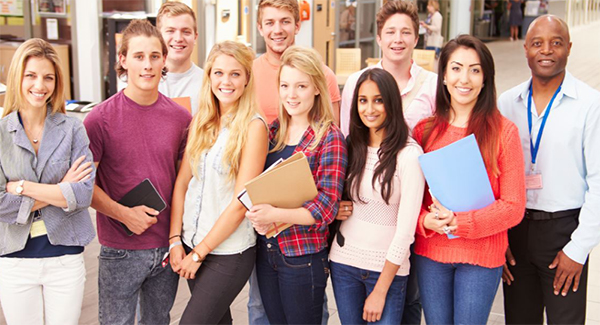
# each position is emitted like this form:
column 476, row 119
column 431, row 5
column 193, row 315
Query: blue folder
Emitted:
column 457, row 177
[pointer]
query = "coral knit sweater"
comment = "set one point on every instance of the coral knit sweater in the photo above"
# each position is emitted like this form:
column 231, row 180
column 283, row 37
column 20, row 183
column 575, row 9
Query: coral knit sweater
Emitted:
column 483, row 233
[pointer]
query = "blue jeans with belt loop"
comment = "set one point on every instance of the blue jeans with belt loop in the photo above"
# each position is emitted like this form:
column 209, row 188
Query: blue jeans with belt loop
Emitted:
column 456, row 293
column 291, row 288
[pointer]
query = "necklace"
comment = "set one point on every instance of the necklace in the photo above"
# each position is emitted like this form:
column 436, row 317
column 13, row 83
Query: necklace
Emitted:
column 36, row 138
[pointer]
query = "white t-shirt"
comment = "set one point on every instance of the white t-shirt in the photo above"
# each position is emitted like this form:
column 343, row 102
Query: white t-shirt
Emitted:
column 185, row 84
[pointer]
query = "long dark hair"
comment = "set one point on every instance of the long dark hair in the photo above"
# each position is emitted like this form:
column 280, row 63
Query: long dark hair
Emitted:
column 396, row 136
column 485, row 118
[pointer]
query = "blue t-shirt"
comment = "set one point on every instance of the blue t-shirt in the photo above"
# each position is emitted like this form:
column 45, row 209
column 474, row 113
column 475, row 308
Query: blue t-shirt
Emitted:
column 272, row 157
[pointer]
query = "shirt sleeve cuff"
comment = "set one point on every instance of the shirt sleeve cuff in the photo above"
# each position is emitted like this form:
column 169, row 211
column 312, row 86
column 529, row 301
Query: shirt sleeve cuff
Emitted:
column 67, row 192
column 576, row 253
column 24, row 210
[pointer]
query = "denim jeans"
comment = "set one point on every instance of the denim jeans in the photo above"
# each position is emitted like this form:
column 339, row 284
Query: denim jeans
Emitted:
column 124, row 275
column 256, row 310
column 352, row 286
column 456, row 293
column 291, row 288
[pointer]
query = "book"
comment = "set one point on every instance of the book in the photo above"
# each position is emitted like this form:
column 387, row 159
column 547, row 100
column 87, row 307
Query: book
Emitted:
column 143, row 194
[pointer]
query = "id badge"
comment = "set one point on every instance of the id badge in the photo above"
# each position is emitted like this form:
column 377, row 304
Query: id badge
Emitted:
column 38, row 228
column 533, row 181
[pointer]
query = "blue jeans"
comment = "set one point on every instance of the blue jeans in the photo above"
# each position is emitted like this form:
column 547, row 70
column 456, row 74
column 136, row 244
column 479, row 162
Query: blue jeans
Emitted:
column 291, row 288
column 256, row 310
column 124, row 275
column 456, row 293
column 352, row 286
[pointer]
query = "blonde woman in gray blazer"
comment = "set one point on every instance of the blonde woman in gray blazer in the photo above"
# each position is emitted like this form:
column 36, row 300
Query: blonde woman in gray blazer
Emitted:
column 46, row 184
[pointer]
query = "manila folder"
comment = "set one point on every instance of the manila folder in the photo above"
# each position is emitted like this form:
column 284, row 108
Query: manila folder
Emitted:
column 288, row 185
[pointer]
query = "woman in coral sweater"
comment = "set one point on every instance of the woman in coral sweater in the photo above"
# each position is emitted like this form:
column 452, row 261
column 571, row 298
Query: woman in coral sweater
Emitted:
column 458, row 278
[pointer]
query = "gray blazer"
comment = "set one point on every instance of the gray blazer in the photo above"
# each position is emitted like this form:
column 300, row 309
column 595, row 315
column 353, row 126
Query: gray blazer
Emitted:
column 63, row 141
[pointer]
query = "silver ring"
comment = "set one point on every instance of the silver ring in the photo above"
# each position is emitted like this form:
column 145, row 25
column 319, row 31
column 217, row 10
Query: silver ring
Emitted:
column 437, row 216
column 446, row 230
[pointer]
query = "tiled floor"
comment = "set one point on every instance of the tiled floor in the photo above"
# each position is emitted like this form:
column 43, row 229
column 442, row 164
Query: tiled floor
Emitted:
column 511, row 69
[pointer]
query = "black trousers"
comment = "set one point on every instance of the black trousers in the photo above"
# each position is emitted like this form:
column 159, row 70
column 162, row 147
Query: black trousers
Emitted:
column 534, row 244
column 218, row 281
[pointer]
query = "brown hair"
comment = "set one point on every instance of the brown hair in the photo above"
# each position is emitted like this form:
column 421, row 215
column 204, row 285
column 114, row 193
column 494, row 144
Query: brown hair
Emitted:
column 393, row 7
column 138, row 27
column 33, row 48
column 289, row 5
column 485, row 119
column 173, row 9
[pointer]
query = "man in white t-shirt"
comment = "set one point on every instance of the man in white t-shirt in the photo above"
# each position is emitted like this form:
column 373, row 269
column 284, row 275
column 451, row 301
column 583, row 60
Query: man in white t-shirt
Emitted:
column 177, row 24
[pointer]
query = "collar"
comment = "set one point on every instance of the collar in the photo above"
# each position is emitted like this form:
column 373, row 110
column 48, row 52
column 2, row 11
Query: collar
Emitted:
column 568, row 88
column 414, row 72
column 54, row 119
column 305, row 140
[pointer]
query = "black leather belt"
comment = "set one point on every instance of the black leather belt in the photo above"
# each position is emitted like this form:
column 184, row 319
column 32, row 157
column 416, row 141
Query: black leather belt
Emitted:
column 543, row 215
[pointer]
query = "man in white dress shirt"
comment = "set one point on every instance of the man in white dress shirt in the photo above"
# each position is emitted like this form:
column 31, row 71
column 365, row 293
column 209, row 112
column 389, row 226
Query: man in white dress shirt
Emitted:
column 547, row 257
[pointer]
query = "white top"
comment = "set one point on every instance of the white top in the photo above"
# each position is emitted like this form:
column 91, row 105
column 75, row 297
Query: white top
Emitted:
column 422, row 106
column 186, row 84
column 376, row 231
column 434, row 37
column 568, row 156
column 208, row 196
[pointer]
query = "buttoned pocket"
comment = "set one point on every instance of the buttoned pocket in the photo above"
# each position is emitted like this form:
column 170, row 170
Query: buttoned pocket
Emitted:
column 58, row 167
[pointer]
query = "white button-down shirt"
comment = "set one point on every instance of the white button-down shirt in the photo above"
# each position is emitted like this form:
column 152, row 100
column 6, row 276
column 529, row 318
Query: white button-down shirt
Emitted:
column 568, row 156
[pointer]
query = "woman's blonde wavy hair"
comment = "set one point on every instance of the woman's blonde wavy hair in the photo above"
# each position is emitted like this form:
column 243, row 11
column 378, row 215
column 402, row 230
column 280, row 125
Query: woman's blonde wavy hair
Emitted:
column 320, row 116
column 206, row 124
column 33, row 48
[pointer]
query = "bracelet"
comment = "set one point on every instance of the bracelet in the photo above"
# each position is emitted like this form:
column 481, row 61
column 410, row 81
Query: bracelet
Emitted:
column 174, row 236
column 174, row 245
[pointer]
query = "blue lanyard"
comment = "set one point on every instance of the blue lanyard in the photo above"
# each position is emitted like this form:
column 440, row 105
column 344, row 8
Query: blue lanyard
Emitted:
column 536, row 147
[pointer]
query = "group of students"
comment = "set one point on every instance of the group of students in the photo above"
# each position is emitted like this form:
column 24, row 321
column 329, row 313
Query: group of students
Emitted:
column 390, row 253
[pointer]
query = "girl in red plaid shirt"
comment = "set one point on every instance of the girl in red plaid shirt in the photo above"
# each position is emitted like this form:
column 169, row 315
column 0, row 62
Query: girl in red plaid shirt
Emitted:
column 292, row 268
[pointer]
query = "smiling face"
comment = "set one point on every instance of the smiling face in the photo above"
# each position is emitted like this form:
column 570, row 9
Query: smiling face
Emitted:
column 39, row 81
column 228, row 79
column 397, row 39
column 144, row 63
column 547, row 48
column 464, row 78
column 278, row 28
column 180, row 37
column 370, row 106
column 297, row 92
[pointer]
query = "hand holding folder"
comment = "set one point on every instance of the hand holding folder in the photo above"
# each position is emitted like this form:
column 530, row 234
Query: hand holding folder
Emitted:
column 143, row 194
column 286, row 185
column 457, row 176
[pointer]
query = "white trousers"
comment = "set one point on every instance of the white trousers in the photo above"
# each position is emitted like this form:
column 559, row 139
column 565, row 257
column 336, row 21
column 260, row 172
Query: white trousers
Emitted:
column 42, row 290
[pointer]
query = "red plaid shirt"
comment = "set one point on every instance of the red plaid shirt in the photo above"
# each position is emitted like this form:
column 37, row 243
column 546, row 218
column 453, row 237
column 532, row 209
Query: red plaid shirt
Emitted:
column 328, row 163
